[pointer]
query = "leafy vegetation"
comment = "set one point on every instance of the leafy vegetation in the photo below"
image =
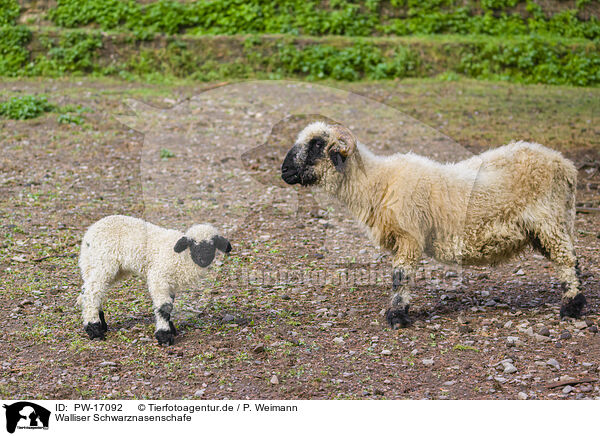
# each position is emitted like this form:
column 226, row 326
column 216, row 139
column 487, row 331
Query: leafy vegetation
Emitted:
column 515, row 40
column 315, row 17
column 9, row 12
column 25, row 108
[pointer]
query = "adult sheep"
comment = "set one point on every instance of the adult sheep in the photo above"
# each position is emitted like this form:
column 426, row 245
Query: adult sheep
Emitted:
column 117, row 246
column 483, row 210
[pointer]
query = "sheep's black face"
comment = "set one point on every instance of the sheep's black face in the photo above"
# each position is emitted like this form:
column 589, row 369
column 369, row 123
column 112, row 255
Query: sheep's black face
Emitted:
column 299, row 164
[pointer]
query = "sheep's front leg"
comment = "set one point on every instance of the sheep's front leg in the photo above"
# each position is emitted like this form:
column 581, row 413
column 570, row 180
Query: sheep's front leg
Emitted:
column 162, row 301
column 397, row 312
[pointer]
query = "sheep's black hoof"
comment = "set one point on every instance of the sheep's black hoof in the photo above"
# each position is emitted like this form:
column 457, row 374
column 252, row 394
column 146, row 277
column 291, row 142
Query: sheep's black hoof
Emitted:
column 103, row 321
column 95, row 330
column 397, row 318
column 165, row 337
column 572, row 308
column 172, row 328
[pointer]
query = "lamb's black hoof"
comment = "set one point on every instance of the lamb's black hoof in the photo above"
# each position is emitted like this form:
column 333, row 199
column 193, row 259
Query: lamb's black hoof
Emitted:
column 95, row 330
column 397, row 318
column 103, row 321
column 172, row 328
column 573, row 307
column 165, row 337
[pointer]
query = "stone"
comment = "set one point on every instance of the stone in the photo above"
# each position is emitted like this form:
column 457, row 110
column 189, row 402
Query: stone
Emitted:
column 593, row 328
column 580, row 325
column 565, row 335
column 228, row 318
column 544, row 331
column 508, row 324
column 274, row 380
column 339, row 340
column 115, row 378
column 509, row 368
column 554, row 363
column 568, row 389
column 386, row 352
column 522, row 396
column 520, row 272
column 107, row 363
column 259, row 348
column 199, row 392
column 428, row 362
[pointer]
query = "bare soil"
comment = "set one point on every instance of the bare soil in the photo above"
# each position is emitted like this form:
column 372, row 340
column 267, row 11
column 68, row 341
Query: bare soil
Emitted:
column 319, row 339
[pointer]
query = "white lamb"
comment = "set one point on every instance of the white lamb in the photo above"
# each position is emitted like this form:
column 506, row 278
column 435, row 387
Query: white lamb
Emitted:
column 483, row 210
column 117, row 246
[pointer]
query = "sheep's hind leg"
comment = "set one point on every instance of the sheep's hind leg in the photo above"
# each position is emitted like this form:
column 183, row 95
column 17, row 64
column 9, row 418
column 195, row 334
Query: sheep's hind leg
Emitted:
column 397, row 313
column 558, row 247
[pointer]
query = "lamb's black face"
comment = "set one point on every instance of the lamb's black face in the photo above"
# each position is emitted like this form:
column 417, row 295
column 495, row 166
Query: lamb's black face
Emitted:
column 298, row 165
column 203, row 252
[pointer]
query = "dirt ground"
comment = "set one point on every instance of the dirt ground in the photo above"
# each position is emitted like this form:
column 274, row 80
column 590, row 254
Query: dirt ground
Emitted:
column 188, row 156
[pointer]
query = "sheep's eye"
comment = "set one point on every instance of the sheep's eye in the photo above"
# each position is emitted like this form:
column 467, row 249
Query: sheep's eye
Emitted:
column 316, row 143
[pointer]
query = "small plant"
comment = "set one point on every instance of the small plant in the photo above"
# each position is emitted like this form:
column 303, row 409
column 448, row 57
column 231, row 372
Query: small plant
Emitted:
column 70, row 119
column 166, row 154
column 460, row 347
column 25, row 108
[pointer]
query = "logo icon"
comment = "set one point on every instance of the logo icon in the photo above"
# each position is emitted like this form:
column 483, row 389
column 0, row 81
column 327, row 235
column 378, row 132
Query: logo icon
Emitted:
column 26, row 415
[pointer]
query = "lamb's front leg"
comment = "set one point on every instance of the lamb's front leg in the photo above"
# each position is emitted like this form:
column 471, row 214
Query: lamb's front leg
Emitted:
column 162, row 300
column 397, row 312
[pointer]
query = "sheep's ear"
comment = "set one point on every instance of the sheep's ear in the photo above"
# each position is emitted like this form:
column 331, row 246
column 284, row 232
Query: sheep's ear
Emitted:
column 182, row 244
column 203, row 252
column 338, row 161
column 222, row 243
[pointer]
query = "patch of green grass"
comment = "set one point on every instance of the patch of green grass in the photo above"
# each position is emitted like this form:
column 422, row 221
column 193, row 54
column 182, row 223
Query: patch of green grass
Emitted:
column 25, row 107
column 166, row 154
column 460, row 347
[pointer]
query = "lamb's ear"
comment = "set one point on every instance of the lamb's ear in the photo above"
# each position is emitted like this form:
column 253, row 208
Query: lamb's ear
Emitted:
column 222, row 243
column 182, row 244
column 203, row 252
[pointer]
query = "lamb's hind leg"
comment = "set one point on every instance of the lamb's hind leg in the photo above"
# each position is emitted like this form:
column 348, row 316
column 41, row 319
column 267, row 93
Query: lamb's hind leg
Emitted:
column 91, row 301
column 397, row 312
column 558, row 247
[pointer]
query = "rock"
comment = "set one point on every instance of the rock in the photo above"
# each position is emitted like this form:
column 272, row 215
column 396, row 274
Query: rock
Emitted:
column 500, row 379
column 565, row 335
column 386, row 352
column 428, row 362
column 259, row 348
column 25, row 303
column 274, row 380
column 115, row 378
column 541, row 338
column 285, row 297
column 529, row 331
column 580, row 325
column 520, row 273
column 593, row 328
column 544, row 331
column 567, row 389
column 338, row 340
column 450, row 383
column 415, row 352
column 228, row 318
column 509, row 368
column 199, row 392
column 107, row 363
column 508, row 324
column 513, row 341
column 554, row 363
column 522, row 396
